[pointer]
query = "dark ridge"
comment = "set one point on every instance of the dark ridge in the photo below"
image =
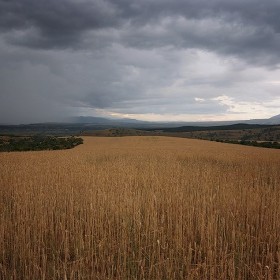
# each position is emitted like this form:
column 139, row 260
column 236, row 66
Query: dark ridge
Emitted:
column 237, row 126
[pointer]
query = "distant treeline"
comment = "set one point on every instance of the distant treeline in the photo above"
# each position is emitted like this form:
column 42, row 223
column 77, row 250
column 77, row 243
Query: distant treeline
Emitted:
column 238, row 126
column 38, row 143
column 267, row 144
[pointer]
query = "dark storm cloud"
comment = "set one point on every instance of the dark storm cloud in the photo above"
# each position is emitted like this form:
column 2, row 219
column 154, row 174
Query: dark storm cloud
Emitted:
column 137, row 57
column 242, row 28
column 52, row 23
column 247, row 29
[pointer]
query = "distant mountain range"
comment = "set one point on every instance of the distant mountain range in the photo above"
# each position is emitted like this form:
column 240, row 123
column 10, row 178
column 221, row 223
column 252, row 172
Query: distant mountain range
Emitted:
column 80, row 124
column 149, row 124
column 277, row 118
column 99, row 120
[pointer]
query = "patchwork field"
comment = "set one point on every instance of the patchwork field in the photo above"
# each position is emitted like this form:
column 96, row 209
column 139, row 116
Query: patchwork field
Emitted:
column 141, row 208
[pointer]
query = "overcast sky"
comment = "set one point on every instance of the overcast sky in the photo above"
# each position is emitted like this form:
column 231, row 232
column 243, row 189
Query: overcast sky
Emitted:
column 156, row 60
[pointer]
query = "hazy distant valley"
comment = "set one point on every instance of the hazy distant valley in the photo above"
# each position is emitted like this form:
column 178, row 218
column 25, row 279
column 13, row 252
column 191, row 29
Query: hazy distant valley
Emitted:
column 257, row 130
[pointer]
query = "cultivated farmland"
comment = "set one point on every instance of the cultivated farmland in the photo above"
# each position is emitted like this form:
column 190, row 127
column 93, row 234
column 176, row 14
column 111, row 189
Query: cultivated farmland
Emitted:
column 141, row 208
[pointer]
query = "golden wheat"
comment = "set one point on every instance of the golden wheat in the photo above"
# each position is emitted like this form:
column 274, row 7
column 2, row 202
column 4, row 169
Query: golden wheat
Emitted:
column 141, row 208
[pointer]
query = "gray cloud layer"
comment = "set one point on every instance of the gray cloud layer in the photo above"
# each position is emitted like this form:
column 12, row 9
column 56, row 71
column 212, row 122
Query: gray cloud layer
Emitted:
column 63, row 57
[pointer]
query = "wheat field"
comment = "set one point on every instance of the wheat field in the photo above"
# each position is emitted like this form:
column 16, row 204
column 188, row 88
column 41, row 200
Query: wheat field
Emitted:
column 141, row 208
